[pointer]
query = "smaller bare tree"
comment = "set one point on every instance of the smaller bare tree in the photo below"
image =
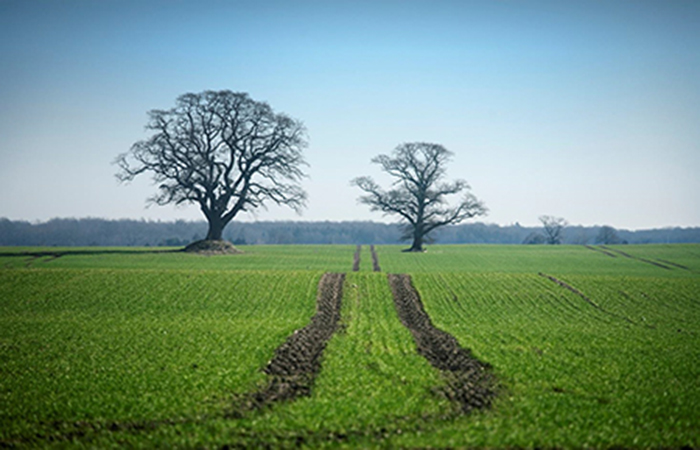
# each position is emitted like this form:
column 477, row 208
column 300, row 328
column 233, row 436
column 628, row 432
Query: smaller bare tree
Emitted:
column 553, row 229
column 420, row 194
column 607, row 235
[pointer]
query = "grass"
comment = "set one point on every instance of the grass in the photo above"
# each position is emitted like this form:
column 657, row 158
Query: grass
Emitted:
column 151, row 350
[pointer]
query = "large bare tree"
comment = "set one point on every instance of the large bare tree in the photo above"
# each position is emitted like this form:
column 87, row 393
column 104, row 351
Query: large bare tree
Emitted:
column 419, row 194
column 223, row 151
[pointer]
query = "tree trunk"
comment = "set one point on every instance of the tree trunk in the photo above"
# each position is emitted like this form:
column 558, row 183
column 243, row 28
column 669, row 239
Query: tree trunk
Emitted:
column 216, row 228
column 417, row 245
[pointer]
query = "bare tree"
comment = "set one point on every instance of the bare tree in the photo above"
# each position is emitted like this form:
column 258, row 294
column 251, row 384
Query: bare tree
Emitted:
column 553, row 229
column 607, row 235
column 223, row 151
column 419, row 193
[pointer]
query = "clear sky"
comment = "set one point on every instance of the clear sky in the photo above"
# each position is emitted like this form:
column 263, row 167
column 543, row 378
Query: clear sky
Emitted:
column 587, row 110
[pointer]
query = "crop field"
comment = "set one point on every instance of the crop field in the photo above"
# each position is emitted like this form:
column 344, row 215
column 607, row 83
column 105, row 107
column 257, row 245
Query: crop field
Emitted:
column 262, row 257
column 563, row 346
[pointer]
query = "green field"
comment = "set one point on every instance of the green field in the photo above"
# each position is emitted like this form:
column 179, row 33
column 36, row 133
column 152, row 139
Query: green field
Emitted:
column 591, row 347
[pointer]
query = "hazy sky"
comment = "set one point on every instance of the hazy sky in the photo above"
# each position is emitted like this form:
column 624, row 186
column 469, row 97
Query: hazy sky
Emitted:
column 588, row 110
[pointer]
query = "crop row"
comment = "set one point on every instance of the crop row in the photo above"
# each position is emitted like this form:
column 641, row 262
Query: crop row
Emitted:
column 683, row 260
column 678, row 260
column 80, row 345
column 372, row 377
column 577, row 375
column 582, row 359
column 332, row 258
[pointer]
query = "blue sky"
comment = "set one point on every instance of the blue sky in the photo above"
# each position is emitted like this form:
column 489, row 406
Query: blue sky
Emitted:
column 586, row 110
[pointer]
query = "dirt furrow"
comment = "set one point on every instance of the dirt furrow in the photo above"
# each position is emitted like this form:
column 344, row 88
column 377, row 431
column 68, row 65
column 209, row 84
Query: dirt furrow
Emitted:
column 627, row 255
column 570, row 288
column 470, row 382
column 375, row 259
column 600, row 250
column 680, row 266
column 291, row 372
column 588, row 300
column 356, row 259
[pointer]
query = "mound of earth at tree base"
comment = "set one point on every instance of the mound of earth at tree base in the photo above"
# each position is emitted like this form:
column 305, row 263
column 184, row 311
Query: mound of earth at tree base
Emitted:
column 211, row 247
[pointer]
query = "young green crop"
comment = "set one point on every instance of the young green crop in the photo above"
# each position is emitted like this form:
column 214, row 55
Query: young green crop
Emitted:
column 372, row 385
column 126, row 346
column 256, row 257
column 675, row 256
column 573, row 259
column 574, row 375
column 154, row 350
column 371, row 372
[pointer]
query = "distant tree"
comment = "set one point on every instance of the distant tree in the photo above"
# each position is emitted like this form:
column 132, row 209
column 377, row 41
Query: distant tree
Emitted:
column 607, row 235
column 419, row 197
column 553, row 229
column 223, row 151
column 580, row 237
column 535, row 238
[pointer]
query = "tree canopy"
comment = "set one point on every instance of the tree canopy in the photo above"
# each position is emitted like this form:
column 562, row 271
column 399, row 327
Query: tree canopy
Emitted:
column 223, row 151
column 419, row 195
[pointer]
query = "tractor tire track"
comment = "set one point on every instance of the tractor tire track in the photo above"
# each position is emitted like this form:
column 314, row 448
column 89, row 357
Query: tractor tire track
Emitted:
column 588, row 300
column 680, row 266
column 375, row 259
column 291, row 372
column 570, row 288
column 356, row 259
column 627, row 255
column 470, row 382
column 601, row 250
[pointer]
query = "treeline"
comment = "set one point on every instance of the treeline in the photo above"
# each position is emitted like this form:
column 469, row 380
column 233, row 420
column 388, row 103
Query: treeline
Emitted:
column 101, row 232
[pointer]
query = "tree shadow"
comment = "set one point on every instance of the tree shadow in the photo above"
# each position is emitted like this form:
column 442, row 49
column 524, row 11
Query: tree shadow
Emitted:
column 59, row 253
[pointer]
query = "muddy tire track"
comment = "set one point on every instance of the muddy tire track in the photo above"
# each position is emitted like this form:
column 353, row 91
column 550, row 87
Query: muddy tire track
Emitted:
column 469, row 382
column 680, row 266
column 356, row 259
column 570, row 288
column 601, row 250
column 627, row 255
column 291, row 372
column 588, row 300
column 375, row 259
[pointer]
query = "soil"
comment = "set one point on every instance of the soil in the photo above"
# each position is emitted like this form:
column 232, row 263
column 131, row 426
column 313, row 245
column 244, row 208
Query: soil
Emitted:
column 470, row 382
column 212, row 248
column 356, row 259
column 292, row 370
column 375, row 260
